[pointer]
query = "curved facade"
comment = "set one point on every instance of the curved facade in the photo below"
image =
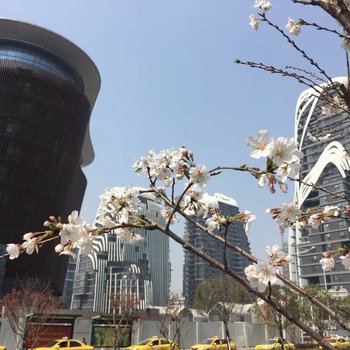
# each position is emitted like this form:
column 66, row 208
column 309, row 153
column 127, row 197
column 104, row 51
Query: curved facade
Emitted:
column 141, row 271
column 48, row 87
column 324, row 140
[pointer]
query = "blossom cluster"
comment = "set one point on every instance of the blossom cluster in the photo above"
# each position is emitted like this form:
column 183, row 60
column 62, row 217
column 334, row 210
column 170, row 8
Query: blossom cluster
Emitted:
column 328, row 259
column 261, row 274
column 74, row 234
column 289, row 213
column 294, row 27
column 335, row 106
column 171, row 166
column 315, row 138
column 282, row 158
column 120, row 207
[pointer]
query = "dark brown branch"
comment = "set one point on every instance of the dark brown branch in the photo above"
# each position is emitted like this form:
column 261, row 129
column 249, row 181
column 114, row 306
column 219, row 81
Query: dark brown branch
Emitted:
column 272, row 301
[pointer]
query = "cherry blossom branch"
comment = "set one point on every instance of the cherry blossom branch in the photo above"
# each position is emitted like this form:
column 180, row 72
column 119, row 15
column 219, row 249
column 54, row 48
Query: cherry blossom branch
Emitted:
column 321, row 28
column 313, row 75
column 348, row 72
column 335, row 195
column 337, row 9
column 253, row 259
column 257, row 172
column 274, row 70
column 271, row 301
column 190, row 184
column 322, row 94
column 301, row 51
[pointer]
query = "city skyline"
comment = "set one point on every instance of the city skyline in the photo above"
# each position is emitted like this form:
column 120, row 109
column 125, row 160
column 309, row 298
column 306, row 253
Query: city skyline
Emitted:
column 168, row 79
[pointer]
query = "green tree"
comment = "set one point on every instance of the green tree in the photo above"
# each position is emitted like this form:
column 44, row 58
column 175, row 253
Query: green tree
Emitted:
column 218, row 291
column 314, row 315
column 221, row 294
column 342, row 306
column 272, row 317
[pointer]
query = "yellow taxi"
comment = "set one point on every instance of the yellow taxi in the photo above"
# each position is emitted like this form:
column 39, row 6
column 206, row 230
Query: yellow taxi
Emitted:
column 154, row 343
column 214, row 343
column 67, row 344
column 338, row 343
column 275, row 344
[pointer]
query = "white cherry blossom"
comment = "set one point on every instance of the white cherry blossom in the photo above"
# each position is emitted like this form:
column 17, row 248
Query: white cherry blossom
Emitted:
column 127, row 236
column 164, row 174
column 327, row 263
column 288, row 170
column 345, row 260
column 260, row 275
column 285, row 151
column 74, row 230
column 31, row 246
column 315, row 220
column 67, row 250
column 294, row 27
column 277, row 256
column 85, row 244
column 59, row 248
column 199, row 175
column 166, row 214
column 261, row 144
column 333, row 210
column 214, row 222
column 13, row 250
column 263, row 179
column 254, row 22
column 289, row 211
column 264, row 5
column 246, row 217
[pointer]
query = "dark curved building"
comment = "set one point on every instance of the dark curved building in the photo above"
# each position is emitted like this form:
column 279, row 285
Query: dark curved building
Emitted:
column 48, row 87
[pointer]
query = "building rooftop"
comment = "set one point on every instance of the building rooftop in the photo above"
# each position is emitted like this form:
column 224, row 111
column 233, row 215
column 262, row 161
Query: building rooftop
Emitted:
column 67, row 51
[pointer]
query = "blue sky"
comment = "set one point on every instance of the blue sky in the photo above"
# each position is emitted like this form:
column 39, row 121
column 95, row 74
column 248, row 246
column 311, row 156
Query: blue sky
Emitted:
column 169, row 79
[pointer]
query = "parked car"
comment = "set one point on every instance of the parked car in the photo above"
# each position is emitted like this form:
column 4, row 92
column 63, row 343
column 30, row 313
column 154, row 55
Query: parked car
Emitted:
column 213, row 343
column 155, row 343
column 67, row 344
column 338, row 343
column 275, row 344
column 2, row 347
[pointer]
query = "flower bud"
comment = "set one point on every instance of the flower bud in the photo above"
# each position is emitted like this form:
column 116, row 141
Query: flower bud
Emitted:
column 46, row 223
column 59, row 248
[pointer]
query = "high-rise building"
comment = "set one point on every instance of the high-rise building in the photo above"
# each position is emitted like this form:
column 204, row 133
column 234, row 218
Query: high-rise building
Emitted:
column 196, row 270
column 48, row 87
column 116, row 269
column 323, row 136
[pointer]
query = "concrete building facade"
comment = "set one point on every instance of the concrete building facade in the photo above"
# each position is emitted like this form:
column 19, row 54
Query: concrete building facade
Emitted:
column 195, row 269
column 324, row 140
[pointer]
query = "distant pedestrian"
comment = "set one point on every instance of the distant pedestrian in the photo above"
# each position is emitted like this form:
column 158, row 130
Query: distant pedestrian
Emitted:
column 84, row 341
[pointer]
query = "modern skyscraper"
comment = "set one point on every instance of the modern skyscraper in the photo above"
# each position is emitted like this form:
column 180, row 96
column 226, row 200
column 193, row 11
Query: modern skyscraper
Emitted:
column 48, row 87
column 196, row 270
column 322, row 135
column 116, row 269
